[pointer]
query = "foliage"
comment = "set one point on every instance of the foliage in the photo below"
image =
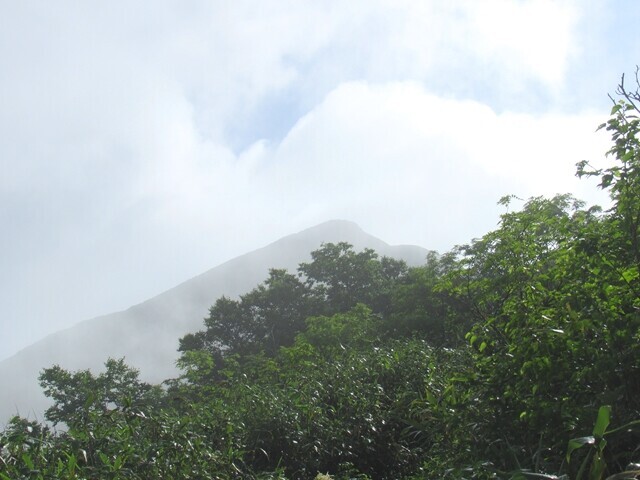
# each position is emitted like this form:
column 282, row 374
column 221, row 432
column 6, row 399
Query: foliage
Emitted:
column 622, row 179
column 76, row 395
column 272, row 314
column 264, row 319
column 333, row 413
column 421, row 304
column 342, row 278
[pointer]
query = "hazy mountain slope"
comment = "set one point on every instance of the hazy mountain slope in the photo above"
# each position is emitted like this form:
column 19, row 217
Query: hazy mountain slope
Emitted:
column 147, row 334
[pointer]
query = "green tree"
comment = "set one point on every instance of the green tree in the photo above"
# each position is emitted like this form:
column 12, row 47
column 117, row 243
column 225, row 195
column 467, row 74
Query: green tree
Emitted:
column 343, row 330
column 78, row 394
column 622, row 179
column 556, row 328
column 341, row 277
column 421, row 306
column 272, row 314
column 264, row 319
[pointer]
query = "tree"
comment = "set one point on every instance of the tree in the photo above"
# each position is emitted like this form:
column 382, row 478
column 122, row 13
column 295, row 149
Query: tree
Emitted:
column 420, row 305
column 272, row 314
column 539, row 327
column 623, row 178
column 264, row 319
column 342, row 277
column 556, row 330
column 78, row 394
column 356, row 327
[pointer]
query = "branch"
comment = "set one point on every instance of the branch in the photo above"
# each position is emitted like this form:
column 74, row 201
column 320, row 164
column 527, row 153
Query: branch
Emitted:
column 631, row 97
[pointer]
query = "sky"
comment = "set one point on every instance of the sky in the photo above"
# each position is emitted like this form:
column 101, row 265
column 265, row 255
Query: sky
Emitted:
column 143, row 143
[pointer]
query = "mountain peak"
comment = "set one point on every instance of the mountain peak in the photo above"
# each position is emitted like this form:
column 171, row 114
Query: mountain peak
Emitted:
column 335, row 225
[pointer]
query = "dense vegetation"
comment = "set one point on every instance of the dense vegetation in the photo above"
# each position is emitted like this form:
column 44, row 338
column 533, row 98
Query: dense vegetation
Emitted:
column 515, row 356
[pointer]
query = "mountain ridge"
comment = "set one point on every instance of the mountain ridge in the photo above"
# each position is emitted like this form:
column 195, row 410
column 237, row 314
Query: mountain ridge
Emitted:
column 146, row 334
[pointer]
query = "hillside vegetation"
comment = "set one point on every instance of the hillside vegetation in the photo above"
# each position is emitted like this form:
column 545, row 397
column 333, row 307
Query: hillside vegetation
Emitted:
column 515, row 356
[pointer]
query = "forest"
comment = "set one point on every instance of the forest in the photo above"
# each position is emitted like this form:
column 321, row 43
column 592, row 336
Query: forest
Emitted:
column 516, row 356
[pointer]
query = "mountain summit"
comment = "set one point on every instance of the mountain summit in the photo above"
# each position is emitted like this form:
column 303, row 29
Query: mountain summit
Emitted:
column 147, row 334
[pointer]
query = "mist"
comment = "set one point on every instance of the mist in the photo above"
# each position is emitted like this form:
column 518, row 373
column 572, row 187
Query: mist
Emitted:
column 143, row 145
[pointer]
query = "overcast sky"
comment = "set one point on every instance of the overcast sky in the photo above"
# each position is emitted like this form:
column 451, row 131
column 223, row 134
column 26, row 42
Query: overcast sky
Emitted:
column 143, row 143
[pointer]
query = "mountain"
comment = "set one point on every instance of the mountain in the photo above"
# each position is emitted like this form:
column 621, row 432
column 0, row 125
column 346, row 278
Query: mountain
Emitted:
column 147, row 334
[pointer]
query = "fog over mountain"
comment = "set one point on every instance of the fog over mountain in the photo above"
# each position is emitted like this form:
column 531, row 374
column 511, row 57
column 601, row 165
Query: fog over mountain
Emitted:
column 143, row 141
column 147, row 334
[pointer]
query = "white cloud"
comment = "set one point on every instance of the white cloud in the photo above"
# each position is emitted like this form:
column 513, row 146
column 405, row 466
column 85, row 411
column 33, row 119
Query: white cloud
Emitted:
column 121, row 172
column 532, row 35
column 385, row 154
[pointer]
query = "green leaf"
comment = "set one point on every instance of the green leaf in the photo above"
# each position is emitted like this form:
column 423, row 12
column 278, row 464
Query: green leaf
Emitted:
column 598, row 466
column 72, row 461
column 630, row 274
column 602, row 422
column 576, row 443
column 26, row 458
